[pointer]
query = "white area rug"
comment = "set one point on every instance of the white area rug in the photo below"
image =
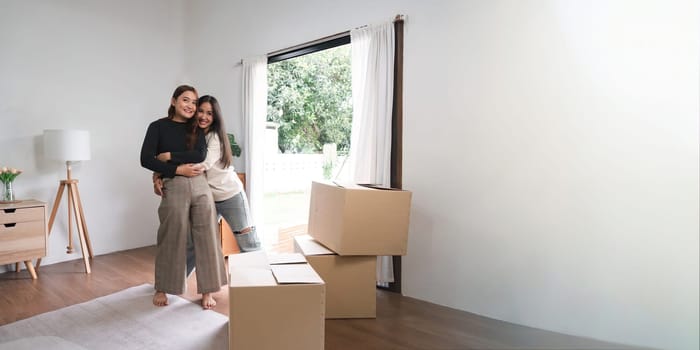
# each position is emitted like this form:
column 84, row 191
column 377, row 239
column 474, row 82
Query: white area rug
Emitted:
column 123, row 320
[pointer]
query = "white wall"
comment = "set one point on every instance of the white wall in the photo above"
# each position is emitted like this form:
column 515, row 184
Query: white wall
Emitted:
column 552, row 148
column 108, row 67
column 567, row 132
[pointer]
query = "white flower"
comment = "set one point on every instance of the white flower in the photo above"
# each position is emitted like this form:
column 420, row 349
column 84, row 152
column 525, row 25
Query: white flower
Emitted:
column 7, row 175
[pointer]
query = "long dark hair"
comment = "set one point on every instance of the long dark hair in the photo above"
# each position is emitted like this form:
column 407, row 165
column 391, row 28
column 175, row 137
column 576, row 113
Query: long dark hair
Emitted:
column 192, row 122
column 217, row 126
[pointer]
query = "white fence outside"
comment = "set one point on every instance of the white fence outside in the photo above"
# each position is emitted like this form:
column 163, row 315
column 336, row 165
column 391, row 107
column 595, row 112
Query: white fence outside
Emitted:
column 286, row 173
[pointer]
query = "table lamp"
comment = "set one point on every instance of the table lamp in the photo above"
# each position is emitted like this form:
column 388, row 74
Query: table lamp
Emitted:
column 70, row 146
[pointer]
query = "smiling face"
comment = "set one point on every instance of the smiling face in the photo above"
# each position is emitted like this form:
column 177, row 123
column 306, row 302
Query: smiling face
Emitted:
column 185, row 106
column 205, row 116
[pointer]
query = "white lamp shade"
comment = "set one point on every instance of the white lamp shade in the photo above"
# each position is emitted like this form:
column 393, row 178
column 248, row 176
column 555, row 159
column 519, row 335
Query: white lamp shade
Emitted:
column 67, row 145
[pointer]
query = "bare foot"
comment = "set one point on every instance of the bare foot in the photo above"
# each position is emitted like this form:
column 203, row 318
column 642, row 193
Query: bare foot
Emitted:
column 208, row 301
column 160, row 299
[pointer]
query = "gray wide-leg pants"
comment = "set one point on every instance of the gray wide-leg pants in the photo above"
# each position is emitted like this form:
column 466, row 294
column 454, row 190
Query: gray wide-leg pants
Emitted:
column 187, row 206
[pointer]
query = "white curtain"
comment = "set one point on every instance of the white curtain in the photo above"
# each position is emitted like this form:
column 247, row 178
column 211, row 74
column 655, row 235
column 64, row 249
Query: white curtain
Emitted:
column 254, row 105
column 372, row 93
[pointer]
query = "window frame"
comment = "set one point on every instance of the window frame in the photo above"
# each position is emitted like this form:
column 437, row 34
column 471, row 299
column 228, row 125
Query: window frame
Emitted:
column 309, row 48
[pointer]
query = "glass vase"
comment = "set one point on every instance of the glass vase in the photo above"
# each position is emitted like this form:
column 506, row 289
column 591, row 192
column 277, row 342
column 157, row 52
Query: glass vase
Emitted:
column 8, row 195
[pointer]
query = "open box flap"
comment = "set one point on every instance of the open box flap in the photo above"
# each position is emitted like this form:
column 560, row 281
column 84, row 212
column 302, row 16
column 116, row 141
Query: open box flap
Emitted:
column 296, row 274
column 256, row 259
column 286, row 258
column 310, row 247
column 251, row 277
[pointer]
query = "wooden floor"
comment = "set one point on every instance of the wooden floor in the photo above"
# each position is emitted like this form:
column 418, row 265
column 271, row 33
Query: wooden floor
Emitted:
column 401, row 323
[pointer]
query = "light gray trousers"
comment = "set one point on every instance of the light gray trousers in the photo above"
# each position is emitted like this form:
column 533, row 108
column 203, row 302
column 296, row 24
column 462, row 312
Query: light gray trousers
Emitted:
column 187, row 206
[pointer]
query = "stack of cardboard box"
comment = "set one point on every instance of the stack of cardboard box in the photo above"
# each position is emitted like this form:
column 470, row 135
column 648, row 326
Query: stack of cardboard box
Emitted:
column 281, row 301
column 349, row 226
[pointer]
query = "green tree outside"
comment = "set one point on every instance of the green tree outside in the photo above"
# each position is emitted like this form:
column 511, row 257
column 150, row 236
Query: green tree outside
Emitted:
column 310, row 97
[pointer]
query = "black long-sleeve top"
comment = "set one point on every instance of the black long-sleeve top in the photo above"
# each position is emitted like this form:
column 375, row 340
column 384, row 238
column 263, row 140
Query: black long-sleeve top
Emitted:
column 166, row 135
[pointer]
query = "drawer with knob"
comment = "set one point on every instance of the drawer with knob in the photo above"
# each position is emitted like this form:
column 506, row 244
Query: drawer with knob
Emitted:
column 22, row 231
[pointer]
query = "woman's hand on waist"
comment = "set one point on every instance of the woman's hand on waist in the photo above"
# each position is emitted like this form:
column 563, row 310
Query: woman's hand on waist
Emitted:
column 158, row 187
column 189, row 170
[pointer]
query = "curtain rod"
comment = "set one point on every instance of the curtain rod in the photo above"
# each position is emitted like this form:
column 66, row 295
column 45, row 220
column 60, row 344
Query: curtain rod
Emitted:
column 397, row 18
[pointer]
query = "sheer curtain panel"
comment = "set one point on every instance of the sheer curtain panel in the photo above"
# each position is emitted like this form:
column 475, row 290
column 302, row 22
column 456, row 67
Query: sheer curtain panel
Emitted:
column 372, row 91
column 254, row 105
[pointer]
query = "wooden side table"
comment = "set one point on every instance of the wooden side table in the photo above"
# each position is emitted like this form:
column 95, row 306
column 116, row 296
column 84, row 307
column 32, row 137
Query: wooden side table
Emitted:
column 23, row 232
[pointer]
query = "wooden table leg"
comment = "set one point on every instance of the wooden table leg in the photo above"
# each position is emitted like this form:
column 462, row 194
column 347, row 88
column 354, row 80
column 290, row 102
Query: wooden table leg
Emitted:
column 30, row 268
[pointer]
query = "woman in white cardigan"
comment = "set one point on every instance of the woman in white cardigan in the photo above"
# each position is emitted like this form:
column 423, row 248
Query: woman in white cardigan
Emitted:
column 229, row 195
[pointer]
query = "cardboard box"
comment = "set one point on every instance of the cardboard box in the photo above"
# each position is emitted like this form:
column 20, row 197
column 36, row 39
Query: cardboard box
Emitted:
column 229, row 245
column 359, row 220
column 275, row 306
column 350, row 280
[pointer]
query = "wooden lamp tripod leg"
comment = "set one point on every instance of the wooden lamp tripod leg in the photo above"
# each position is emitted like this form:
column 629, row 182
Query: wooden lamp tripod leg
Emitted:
column 69, row 248
column 75, row 211
column 82, row 234
column 75, row 207
column 56, row 202
column 82, row 221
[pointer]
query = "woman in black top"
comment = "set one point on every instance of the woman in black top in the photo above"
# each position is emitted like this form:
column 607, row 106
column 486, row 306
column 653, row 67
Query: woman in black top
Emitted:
column 187, row 205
